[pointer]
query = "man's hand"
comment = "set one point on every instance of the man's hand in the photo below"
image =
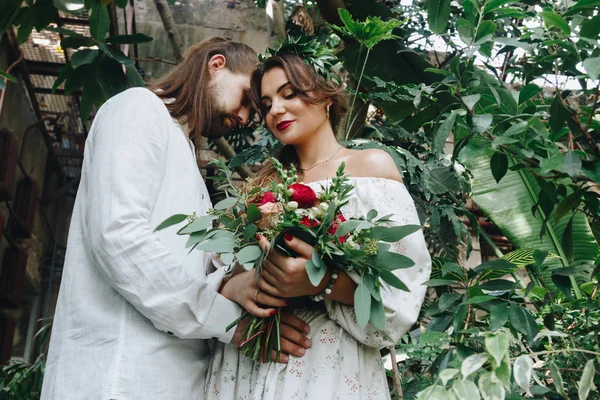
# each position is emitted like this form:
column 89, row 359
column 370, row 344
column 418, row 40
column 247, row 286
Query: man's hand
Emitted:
column 285, row 276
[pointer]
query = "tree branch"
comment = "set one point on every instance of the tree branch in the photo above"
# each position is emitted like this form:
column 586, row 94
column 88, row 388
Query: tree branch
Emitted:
column 166, row 17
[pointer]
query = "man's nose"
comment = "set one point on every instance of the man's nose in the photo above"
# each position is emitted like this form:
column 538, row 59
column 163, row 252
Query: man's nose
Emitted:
column 243, row 115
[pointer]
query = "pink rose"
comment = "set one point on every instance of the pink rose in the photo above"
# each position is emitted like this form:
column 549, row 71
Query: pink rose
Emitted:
column 270, row 215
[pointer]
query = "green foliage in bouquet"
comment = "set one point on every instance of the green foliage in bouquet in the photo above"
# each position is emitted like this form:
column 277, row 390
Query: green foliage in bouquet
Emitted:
column 361, row 245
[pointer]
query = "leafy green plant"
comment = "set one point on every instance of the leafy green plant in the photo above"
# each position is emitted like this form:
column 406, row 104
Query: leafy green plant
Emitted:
column 368, row 34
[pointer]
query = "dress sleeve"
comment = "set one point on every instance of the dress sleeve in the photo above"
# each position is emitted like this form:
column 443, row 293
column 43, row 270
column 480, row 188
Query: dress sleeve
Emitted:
column 126, row 158
column 401, row 308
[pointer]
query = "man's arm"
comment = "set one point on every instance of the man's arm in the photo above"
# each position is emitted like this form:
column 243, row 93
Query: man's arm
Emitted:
column 127, row 160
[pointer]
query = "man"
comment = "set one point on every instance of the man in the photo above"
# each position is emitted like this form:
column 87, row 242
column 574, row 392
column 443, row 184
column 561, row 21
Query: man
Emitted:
column 134, row 307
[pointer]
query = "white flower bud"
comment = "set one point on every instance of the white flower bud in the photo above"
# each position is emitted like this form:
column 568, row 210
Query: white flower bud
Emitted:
column 352, row 243
column 315, row 212
column 280, row 186
column 323, row 207
column 291, row 206
column 290, row 192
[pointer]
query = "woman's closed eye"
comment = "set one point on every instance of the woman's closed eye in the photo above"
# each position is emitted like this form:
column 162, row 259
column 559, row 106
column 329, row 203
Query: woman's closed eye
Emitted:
column 289, row 94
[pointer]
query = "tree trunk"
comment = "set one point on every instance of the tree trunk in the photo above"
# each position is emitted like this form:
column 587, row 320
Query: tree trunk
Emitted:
column 175, row 38
column 275, row 13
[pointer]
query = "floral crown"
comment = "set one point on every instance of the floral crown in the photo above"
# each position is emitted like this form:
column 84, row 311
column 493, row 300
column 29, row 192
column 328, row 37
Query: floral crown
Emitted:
column 320, row 57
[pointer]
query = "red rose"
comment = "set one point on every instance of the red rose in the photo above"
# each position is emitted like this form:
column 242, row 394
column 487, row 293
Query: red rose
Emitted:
column 303, row 195
column 337, row 221
column 268, row 197
column 308, row 222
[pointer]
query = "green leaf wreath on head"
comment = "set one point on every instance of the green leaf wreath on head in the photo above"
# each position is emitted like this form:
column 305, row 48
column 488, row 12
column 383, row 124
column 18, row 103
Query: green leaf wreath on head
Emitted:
column 314, row 53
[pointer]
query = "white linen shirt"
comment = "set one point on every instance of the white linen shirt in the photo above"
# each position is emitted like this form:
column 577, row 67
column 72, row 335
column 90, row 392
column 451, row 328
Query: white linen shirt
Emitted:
column 134, row 308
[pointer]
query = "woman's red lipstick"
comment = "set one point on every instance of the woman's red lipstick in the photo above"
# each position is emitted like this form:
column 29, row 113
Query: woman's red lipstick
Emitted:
column 283, row 125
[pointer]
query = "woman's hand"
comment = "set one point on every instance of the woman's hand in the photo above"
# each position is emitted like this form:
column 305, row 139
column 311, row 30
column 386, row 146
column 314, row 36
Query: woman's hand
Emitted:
column 244, row 290
column 285, row 276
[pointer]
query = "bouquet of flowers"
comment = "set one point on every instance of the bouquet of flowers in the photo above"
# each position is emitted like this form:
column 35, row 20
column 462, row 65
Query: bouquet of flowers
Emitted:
column 359, row 244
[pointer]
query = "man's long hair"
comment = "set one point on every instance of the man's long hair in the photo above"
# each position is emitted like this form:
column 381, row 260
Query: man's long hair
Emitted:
column 186, row 86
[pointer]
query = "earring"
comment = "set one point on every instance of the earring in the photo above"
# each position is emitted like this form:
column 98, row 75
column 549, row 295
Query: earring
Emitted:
column 327, row 109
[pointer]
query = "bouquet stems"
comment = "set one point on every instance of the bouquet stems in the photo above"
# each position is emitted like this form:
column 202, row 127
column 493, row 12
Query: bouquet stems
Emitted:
column 261, row 336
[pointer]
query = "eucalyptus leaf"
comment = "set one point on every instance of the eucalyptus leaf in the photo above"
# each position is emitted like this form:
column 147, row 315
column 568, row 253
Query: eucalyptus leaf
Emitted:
column 377, row 314
column 219, row 245
column 227, row 258
column 226, row 203
column 390, row 261
column 362, row 304
column 369, row 282
column 199, row 224
column 250, row 231
column 172, row 220
column 393, row 280
column 249, row 254
column 393, row 234
column 490, row 388
column 315, row 269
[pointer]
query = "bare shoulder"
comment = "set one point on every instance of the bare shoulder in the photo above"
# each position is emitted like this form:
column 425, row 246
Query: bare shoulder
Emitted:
column 375, row 163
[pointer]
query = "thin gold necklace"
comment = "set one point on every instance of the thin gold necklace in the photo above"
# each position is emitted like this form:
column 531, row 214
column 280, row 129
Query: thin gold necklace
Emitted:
column 322, row 162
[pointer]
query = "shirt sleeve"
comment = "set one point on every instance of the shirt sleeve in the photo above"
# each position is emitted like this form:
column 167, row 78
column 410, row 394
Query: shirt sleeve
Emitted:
column 127, row 155
column 401, row 308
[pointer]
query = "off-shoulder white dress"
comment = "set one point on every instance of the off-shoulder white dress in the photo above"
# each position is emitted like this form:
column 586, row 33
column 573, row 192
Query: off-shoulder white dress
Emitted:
column 344, row 361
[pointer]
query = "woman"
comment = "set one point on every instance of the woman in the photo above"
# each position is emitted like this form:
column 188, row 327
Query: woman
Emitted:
column 302, row 110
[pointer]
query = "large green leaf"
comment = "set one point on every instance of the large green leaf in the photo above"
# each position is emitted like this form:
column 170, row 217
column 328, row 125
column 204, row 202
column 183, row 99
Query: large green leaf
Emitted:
column 509, row 204
column 390, row 60
column 438, row 14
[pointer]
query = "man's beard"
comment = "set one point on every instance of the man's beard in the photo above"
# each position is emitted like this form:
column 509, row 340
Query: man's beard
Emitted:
column 220, row 125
